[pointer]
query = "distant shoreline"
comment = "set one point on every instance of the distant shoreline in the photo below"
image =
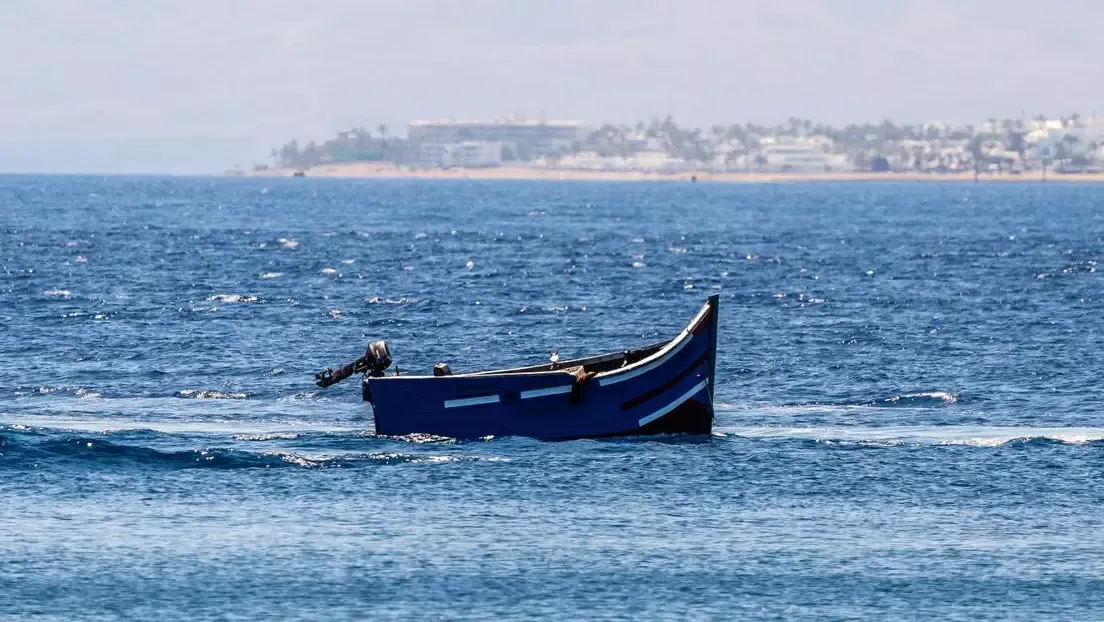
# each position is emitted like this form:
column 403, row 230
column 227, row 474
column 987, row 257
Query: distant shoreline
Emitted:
column 374, row 170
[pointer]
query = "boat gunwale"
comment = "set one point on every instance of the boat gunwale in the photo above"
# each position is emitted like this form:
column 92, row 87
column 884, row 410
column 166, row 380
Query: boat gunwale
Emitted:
column 640, row 366
column 565, row 366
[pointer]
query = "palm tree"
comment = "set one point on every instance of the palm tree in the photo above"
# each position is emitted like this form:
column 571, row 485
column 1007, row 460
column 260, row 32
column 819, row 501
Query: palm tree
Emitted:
column 669, row 126
column 1017, row 143
column 1071, row 140
column 1060, row 152
column 382, row 129
column 975, row 151
column 289, row 154
column 886, row 130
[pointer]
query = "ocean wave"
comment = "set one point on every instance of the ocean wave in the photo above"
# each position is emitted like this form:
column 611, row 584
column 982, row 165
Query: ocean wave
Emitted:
column 203, row 394
column 83, row 393
column 788, row 410
column 930, row 398
column 49, row 390
column 550, row 310
column 421, row 439
column 270, row 436
column 232, row 298
column 302, row 396
column 927, row 399
column 115, row 427
column 403, row 300
column 37, row 453
column 966, row 436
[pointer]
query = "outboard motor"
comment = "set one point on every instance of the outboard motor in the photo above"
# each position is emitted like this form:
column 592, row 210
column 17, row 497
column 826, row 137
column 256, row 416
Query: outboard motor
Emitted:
column 375, row 361
column 378, row 358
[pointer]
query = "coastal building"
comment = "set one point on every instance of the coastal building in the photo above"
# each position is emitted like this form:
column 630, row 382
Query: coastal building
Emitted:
column 641, row 162
column 801, row 154
column 656, row 162
column 467, row 154
column 726, row 156
column 1054, row 139
column 523, row 139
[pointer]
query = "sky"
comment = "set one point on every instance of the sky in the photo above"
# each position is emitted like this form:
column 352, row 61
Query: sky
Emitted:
column 199, row 86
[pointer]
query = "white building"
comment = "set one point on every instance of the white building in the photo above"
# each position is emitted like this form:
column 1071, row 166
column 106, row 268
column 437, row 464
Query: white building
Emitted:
column 656, row 162
column 812, row 154
column 521, row 137
column 1049, row 138
column 586, row 161
column 466, row 154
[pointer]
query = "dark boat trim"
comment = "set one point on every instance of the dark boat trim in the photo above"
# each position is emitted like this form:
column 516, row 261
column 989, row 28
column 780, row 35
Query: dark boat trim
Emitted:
column 636, row 401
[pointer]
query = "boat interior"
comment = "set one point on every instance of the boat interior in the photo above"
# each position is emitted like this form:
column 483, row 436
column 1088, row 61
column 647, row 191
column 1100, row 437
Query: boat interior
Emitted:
column 588, row 365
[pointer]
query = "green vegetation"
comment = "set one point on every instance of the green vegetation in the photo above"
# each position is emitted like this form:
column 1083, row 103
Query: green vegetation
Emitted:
column 1009, row 144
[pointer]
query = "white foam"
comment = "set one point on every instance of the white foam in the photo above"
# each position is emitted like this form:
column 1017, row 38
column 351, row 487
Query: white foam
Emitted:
column 267, row 436
column 203, row 394
column 232, row 298
column 271, row 275
column 87, row 394
column 792, row 410
column 60, row 293
column 975, row 436
column 174, row 427
column 944, row 396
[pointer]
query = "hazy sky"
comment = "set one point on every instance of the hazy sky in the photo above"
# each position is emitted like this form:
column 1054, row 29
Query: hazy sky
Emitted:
column 202, row 85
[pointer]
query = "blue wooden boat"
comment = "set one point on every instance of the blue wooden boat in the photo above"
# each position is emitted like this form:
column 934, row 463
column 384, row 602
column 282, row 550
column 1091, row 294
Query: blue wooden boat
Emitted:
column 663, row 388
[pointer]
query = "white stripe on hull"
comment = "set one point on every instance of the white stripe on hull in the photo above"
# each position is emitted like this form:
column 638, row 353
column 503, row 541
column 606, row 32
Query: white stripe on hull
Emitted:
column 472, row 401
column 528, row 395
column 675, row 404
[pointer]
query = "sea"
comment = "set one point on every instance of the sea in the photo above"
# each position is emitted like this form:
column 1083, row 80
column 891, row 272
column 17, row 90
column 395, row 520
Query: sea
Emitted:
column 909, row 408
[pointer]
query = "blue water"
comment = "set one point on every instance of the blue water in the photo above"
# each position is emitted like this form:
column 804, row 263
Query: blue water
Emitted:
column 909, row 406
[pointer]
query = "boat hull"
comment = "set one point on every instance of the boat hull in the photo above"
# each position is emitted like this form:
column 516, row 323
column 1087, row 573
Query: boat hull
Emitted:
column 662, row 389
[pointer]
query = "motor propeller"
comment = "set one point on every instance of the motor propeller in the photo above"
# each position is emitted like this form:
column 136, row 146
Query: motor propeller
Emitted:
column 376, row 360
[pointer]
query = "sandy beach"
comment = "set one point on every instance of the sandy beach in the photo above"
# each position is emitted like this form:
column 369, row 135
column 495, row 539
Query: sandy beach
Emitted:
column 364, row 170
